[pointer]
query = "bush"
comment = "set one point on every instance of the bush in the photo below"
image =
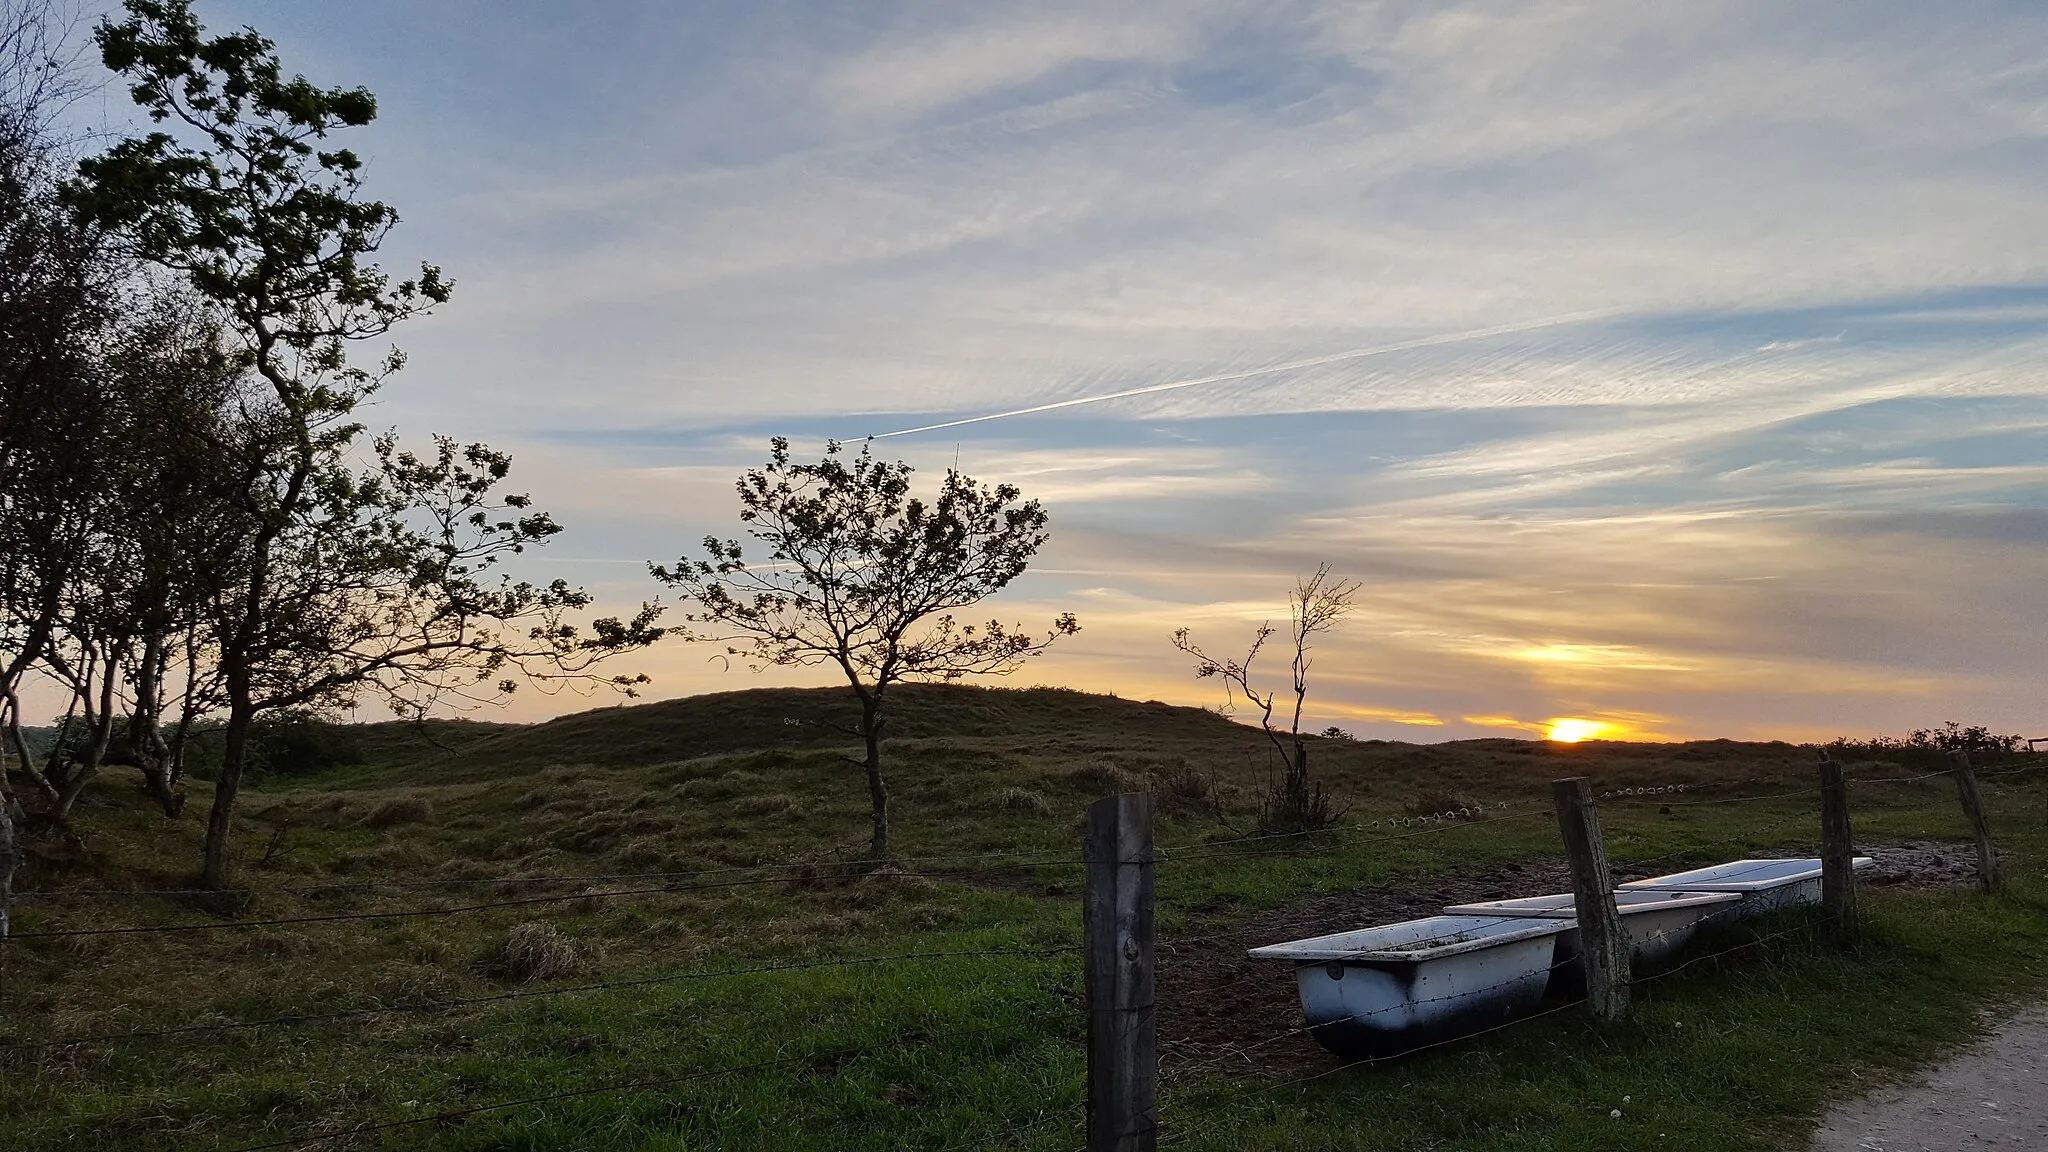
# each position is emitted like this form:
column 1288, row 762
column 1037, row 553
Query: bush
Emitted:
column 535, row 951
column 1930, row 746
column 1295, row 803
column 400, row 810
column 771, row 804
column 1016, row 799
column 292, row 743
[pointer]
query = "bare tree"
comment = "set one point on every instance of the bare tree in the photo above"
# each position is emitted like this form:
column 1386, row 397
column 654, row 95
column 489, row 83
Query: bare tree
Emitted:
column 865, row 577
column 1316, row 606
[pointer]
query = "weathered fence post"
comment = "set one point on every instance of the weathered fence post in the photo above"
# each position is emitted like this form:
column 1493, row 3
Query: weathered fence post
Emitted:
column 1837, row 853
column 1973, row 808
column 1123, row 1038
column 1603, row 945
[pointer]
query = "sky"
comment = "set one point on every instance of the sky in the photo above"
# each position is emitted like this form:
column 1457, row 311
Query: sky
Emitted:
column 1676, row 368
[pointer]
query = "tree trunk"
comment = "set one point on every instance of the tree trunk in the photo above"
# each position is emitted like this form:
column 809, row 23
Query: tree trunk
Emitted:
column 10, row 851
column 100, row 724
column 10, row 856
column 238, row 652
column 144, row 738
column 878, row 792
column 18, row 744
column 67, row 796
column 218, row 869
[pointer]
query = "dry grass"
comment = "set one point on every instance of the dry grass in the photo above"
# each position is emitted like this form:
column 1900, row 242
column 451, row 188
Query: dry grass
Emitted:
column 536, row 950
column 767, row 804
column 1014, row 777
column 400, row 810
column 1025, row 800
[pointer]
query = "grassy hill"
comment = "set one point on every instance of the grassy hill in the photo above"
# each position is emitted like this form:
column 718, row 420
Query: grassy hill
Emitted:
column 1065, row 726
column 760, row 718
column 668, row 844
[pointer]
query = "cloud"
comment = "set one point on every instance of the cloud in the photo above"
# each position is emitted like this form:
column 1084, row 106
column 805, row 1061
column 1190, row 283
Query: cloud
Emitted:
column 1673, row 367
column 926, row 71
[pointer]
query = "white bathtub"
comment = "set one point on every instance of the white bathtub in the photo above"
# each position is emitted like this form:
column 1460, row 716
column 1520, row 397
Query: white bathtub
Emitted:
column 1763, row 884
column 1657, row 923
column 1392, row 989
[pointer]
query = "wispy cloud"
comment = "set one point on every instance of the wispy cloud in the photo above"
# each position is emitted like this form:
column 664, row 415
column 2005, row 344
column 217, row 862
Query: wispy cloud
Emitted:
column 1673, row 367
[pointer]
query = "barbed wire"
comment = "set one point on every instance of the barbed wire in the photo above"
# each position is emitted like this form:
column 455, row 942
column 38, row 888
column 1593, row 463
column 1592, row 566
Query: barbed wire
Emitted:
column 524, row 901
column 1643, row 790
column 1736, row 909
column 1018, row 1130
column 839, row 1056
column 529, row 994
column 1184, row 854
column 817, row 868
column 1212, row 850
column 1751, row 837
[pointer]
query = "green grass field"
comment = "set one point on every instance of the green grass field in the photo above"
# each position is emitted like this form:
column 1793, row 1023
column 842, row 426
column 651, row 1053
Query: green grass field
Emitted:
column 977, row 1043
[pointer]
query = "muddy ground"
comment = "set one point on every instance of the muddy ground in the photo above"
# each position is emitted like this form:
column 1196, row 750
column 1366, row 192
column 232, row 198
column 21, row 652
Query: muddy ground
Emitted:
column 1221, row 1012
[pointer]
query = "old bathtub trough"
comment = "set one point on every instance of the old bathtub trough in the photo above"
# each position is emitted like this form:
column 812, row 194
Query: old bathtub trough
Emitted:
column 1764, row 885
column 1657, row 921
column 1398, row 987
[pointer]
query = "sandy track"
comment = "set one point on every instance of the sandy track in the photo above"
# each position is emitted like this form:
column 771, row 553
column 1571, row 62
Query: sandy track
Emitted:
column 1990, row 1095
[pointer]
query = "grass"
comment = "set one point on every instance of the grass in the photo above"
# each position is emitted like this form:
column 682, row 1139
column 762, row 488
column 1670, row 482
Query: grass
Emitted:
column 1736, row 1053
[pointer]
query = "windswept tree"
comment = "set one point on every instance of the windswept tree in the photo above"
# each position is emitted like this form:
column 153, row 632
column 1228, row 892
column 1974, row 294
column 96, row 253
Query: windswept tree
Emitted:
column 387, row 578
column 51, row 304
column 160, row 535
column 1318, row 603
column 857, row 573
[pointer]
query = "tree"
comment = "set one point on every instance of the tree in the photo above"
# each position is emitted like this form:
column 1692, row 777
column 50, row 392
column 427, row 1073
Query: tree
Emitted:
column 54, row 291
column 47, row 298
column 1316, row 606
column 861, row 575
column 161, row 532
column 388, row 579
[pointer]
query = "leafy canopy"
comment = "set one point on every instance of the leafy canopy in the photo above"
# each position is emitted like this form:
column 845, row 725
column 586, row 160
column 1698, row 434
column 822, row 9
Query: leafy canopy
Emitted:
column 862, row 574
column 247, row 201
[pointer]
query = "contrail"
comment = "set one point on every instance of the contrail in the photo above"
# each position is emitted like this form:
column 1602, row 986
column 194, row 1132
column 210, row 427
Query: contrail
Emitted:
column 1313, row 362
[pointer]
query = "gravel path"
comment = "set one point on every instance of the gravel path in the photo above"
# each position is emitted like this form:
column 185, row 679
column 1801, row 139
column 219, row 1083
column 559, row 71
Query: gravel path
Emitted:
column 1990, row 1095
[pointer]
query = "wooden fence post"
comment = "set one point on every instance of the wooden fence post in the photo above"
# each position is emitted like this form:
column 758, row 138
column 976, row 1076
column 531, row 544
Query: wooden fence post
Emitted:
column 1837, row 853
column 1123, row 1037
column 1603, row 945
column 1973, row 807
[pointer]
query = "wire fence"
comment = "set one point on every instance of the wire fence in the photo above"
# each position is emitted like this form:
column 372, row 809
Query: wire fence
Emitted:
column 1354, row 840
column 1178, row 1132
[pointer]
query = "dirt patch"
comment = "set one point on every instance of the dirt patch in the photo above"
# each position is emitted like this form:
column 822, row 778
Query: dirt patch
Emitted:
column 1221, row 1012
column 1921, row 864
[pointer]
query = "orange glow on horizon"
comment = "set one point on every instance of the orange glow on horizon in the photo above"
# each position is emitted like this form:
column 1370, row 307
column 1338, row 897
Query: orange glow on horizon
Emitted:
column 1571, row 730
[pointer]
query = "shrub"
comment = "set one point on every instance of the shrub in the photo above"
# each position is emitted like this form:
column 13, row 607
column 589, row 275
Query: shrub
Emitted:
column 1441, row 803
column 1931, row 746
column 772, row 804
column 1105, row 779
column 535, row 951
column 292, row 743
column 399, row 810
column 1016, row 799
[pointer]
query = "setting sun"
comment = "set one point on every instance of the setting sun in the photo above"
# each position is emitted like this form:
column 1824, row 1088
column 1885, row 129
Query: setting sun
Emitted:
column 1571, row 730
